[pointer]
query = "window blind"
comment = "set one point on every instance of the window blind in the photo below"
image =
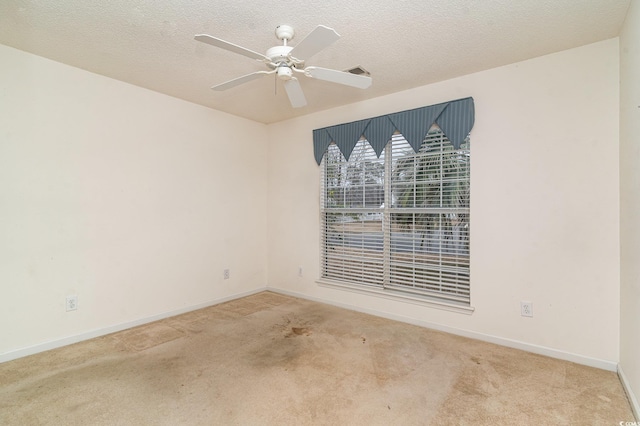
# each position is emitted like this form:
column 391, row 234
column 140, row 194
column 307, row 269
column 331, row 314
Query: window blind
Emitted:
column 429, row 218
column 398, row 220
column 353, row 196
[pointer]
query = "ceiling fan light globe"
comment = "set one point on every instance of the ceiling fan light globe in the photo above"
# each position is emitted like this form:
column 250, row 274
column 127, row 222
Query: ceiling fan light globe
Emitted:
column 284, row 73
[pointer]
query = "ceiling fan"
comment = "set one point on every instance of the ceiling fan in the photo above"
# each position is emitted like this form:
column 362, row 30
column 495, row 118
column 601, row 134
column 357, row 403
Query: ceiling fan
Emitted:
column 284, row 61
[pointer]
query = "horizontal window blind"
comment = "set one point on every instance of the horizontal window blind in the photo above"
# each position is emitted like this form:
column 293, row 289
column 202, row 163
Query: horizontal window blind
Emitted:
column 352, row 231
column 400, row 221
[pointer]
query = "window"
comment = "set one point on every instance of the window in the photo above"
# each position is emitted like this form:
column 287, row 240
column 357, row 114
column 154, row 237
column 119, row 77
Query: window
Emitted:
column 399, row 222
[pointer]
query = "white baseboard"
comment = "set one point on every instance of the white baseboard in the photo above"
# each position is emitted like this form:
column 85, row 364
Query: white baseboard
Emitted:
column 635, row 407
column 540, row 350
column 53, row 344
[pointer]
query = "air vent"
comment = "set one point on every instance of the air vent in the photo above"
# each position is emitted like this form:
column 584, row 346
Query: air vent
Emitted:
column 359, row 71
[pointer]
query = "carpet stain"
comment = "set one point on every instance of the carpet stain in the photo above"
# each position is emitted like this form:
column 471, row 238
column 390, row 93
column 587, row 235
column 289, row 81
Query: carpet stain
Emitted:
column 299, row 331
column 292, row 326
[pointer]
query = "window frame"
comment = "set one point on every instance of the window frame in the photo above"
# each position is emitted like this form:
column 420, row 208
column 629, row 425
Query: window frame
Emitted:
column 384, row 286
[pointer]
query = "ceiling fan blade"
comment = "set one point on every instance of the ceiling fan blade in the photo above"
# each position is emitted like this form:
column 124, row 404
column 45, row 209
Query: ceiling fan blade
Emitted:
column 231, row 47
column 241, row 80
column 340, row 77
column 294, row 91
column 318, row 39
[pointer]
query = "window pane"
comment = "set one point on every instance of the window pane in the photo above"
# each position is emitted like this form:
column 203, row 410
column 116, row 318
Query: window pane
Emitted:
column 430, row 253
column 353, row 247
column 356, row 183
column 436, row 176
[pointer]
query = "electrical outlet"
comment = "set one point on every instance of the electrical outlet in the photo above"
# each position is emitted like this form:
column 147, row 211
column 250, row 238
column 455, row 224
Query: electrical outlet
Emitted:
column 71, row 303
column 226, row 274
column 299, row 271
column 526, row 309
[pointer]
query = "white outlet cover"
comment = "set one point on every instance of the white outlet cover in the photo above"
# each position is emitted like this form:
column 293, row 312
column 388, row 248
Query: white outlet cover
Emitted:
column 71, row 303
column 526, row 309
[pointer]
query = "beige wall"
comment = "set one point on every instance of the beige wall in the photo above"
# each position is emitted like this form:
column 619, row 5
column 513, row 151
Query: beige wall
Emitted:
column 132, row 200
column 544, row 208
column 630, row 201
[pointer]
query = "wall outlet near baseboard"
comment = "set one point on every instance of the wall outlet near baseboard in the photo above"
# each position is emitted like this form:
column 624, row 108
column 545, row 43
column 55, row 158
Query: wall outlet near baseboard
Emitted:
column 226, row 274
column 299, row 271
column 71, row 303
column 526, row 309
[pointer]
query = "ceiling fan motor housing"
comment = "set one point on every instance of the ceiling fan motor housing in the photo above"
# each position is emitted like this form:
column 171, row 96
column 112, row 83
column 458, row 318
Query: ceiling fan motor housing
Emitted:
column 279, row 54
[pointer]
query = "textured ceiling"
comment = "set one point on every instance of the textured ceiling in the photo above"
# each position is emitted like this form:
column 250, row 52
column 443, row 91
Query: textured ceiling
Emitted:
column 402, row 43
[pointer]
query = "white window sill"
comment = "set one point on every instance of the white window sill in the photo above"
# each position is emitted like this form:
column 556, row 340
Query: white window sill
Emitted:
column 399, row 296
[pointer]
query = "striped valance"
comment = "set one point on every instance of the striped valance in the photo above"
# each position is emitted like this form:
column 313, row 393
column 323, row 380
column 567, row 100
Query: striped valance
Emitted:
column 455, row 119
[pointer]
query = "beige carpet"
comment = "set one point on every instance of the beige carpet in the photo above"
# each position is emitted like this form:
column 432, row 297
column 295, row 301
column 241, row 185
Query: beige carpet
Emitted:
column 276, row 360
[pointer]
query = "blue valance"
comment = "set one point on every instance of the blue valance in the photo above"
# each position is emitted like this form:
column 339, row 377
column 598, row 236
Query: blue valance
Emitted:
column 455, row 119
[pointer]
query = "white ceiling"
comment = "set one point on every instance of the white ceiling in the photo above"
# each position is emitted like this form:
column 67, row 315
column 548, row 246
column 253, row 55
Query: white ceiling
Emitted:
column 402, row 43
